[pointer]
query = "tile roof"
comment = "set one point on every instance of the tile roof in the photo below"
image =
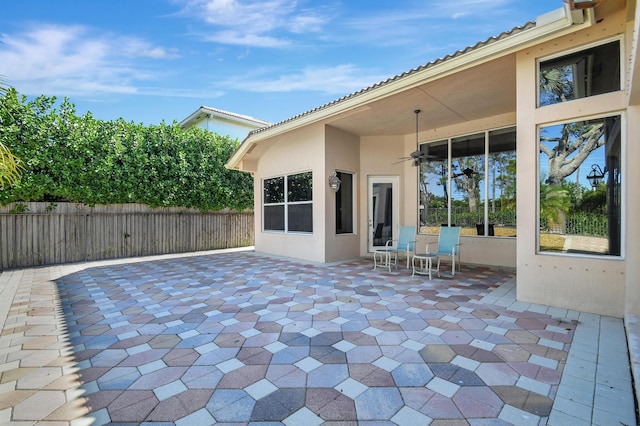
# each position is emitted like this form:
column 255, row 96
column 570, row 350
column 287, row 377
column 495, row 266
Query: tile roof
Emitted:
column 469, row 49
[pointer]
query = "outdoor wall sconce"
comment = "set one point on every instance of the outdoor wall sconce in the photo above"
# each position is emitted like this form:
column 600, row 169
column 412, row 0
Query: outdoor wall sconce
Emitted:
column 595, row 176
column 334, row 182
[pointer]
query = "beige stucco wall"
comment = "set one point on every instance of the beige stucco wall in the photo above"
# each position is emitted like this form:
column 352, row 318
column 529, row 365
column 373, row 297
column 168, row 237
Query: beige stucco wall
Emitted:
column 379, row 157
column 601, row 284
column 342, row 151
column 297, row 151
column 586, row 283
column 632, row 246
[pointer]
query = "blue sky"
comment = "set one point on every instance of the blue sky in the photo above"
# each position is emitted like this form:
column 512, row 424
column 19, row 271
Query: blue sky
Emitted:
column 154, row 60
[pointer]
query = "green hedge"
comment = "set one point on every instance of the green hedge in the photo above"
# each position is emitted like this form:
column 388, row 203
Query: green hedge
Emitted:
column 81, row 159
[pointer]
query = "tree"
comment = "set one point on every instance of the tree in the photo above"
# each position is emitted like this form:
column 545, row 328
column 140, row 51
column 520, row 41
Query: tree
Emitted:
column 508, row 197
column 501, row 163
column 468, row 180
column 9, row 164
column 566, row 152
column 576, row 141
column 9, row 167
column 554, row 202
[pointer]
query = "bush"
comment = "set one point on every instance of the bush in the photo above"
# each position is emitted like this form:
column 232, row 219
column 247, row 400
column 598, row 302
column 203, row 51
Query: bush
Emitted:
column 82, row 159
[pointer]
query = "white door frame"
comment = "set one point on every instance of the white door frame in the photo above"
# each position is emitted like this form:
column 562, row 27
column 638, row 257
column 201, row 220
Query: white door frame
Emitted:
column 374, row 213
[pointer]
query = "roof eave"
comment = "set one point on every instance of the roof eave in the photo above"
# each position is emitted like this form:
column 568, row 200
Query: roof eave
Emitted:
column 191, row 118
column 553, row 24
column 214, row 112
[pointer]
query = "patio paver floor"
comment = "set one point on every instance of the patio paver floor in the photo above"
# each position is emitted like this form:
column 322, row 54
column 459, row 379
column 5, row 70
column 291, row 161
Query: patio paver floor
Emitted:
column 241, row 338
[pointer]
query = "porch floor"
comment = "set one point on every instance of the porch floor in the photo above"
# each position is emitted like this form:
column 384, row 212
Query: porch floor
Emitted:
column 234, row 337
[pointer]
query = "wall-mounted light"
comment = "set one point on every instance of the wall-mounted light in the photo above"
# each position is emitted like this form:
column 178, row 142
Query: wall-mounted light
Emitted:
column 334, row 182
column 595, row 176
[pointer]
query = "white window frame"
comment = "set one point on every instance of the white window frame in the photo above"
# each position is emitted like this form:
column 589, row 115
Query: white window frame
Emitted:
column 623, row 165
column 286, row 204
column 587, row 46
column 486, row 155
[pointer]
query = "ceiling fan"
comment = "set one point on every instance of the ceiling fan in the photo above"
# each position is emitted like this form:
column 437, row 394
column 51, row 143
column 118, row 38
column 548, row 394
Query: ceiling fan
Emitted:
column 418, row 156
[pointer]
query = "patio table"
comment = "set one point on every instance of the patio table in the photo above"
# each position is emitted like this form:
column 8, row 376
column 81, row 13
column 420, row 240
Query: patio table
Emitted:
column 425, row 265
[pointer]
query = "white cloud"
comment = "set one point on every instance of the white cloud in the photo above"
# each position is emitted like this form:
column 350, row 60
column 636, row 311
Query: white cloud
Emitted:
column 476, row 8
column 245, row 39
column 338, row 80
column 253, row 22
column 50, row 59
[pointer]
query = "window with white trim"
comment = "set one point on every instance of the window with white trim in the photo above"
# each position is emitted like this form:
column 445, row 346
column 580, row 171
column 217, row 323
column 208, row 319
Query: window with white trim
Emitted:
column 288, row 203
column 588, row 72
column 580, row 195
column 469, row 181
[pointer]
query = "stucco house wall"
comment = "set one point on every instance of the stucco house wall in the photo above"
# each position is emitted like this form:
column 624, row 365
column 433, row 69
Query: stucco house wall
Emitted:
column 298, row 151
column 321, row 141
column 585, row 283
column 632, row 241
column 342, row 152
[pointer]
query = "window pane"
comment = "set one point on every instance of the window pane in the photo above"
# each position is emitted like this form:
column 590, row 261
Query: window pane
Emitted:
column 344, row 204
column 433, row 186
column 300, row 217
column 580, row 187
column 467, row 168
column 274, row 190
column 274, row 218
column 586, row 73
column 382, row 213
column 299, row 187
column 502, row 183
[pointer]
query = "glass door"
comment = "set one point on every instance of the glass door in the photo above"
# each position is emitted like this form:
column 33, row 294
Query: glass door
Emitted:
column 383, row 210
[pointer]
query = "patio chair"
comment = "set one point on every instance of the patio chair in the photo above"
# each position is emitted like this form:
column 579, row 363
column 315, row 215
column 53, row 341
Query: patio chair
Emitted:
column 388, row 254
column 448, row 246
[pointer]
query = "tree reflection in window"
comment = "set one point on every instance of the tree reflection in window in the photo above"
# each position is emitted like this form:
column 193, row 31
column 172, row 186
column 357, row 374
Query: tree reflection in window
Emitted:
column 576, row 217
column 474, row 187
column 589, row 72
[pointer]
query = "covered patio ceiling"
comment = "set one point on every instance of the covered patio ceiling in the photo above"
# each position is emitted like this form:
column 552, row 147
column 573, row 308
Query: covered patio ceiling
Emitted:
column 486, row 90
column 465, row 94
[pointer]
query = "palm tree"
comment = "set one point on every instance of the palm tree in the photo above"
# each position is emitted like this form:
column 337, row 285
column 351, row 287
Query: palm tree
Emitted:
column 554, row 203
column 9, row 167
column 9, row 163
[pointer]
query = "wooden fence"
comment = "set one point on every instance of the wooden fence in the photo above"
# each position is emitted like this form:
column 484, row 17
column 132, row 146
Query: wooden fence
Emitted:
column 46, row 234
